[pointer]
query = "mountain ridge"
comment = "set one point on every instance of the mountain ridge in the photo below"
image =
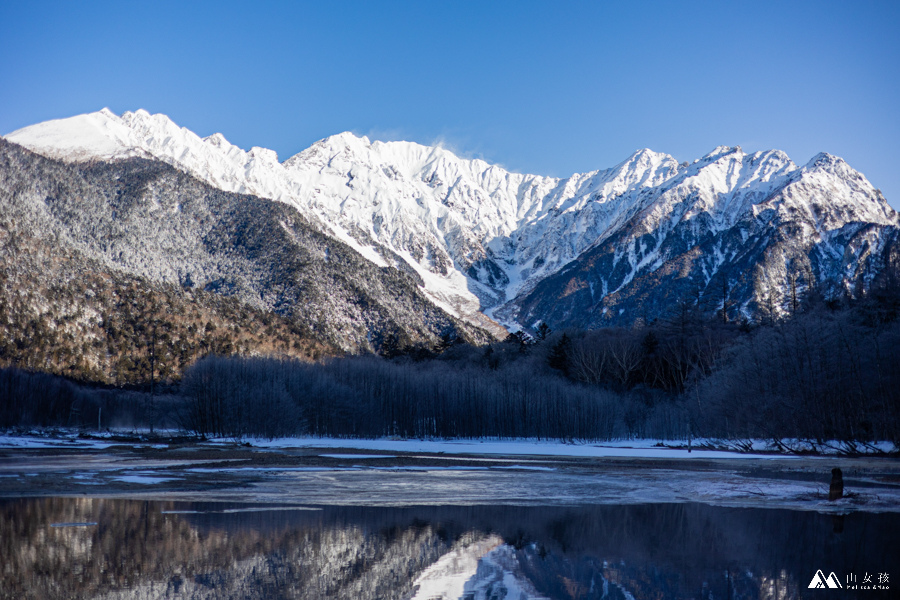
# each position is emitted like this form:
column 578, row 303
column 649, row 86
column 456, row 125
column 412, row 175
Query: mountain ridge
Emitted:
column 482, row 239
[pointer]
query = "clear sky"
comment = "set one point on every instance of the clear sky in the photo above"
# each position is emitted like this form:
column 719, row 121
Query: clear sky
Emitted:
column 539, row 87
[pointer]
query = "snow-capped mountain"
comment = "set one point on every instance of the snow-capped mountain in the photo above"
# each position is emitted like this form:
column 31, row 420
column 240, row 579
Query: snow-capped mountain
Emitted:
column 589, row 249
column 744, row 232
column 95, row 251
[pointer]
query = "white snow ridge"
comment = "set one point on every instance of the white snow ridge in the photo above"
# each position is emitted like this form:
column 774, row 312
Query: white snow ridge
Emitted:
column 476, row 234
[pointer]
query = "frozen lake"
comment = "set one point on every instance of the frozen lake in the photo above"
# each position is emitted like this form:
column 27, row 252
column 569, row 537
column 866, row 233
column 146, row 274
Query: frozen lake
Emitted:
column 410, row 472
column 131, row 518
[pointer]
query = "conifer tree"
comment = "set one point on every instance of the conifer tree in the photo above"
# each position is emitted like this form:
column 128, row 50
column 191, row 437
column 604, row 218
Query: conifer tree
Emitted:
column 559, row 355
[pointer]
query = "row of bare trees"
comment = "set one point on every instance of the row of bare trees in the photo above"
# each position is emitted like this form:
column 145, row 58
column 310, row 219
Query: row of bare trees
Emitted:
column 370, row 397
column 34, row 399
column 823, row 376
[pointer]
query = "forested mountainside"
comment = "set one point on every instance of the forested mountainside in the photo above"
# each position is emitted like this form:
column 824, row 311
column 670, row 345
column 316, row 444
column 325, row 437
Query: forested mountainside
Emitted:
column 108, row 266
column 609, row 247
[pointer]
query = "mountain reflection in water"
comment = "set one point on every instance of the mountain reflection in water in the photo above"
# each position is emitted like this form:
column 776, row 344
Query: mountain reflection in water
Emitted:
column 111, row 548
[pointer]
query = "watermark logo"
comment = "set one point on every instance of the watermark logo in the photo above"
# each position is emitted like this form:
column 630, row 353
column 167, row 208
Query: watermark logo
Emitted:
column 819, row 581
column 870, row 581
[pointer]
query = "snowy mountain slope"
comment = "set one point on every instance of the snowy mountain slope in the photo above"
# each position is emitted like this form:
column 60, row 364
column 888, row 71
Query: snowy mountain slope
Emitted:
column 734, row 228
column 144, row 219
column 483, row 240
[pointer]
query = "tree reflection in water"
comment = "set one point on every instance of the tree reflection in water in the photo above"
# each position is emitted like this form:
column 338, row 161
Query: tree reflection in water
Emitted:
column 111, row 548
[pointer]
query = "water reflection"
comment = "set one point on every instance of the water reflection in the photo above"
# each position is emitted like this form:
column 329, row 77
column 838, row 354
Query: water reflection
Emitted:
column 105, row 548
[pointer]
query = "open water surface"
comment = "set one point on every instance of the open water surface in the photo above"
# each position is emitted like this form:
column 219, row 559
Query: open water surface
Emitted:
column 64, row 547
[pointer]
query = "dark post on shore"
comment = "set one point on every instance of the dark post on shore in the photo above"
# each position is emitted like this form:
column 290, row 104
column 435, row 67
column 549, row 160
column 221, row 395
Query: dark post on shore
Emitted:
column 836, row 491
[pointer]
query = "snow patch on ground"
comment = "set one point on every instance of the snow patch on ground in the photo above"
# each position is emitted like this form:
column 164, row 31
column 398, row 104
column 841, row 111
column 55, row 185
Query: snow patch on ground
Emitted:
column 706, row 448
column 622, row 449
column 143, row 479
column 357, row 456
column 239, row 510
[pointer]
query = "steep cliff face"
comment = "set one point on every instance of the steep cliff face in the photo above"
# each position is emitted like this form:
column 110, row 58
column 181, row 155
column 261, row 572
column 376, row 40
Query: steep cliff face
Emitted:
column 604, row 247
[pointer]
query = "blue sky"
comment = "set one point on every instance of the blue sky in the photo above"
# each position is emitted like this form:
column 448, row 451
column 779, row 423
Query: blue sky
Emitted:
column 548, row 88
